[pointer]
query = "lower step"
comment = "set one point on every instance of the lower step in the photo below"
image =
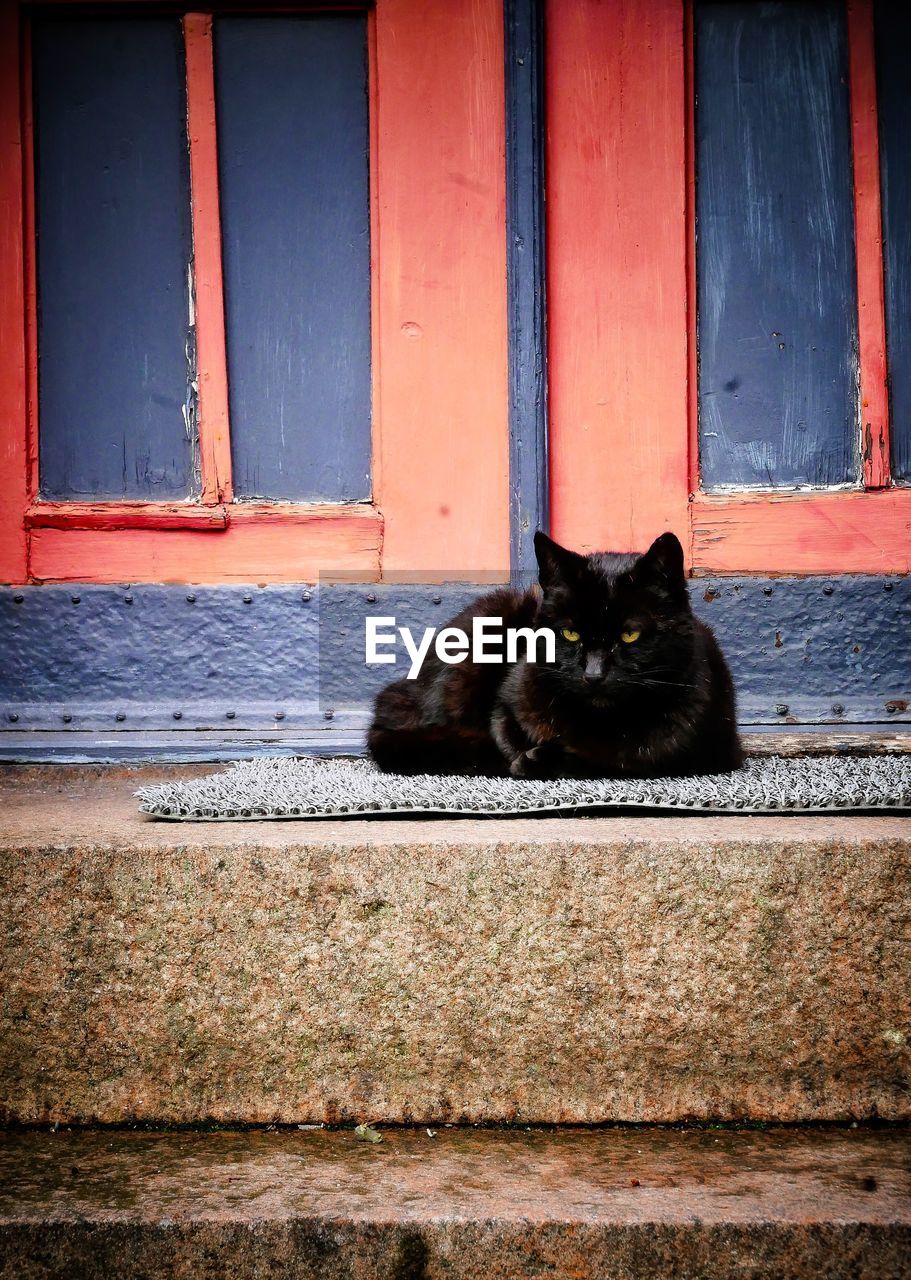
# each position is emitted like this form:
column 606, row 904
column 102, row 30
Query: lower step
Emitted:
column 613, row 1204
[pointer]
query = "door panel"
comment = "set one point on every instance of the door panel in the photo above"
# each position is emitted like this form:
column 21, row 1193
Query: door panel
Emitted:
column 293, row 147
column 776, row 276
column 113, row 233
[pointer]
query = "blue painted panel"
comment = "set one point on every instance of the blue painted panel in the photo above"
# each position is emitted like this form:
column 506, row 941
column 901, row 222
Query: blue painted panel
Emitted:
column 526, row 279
column 289, row 660
column 293, row 161
column 893, row 70
column 113, row 229
column 775, row 245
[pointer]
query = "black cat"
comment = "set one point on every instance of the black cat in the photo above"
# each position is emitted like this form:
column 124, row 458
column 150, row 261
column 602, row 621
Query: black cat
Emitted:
column 639, row 687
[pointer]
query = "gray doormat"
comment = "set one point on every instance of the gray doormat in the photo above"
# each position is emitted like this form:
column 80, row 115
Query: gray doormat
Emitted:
column 319, row 788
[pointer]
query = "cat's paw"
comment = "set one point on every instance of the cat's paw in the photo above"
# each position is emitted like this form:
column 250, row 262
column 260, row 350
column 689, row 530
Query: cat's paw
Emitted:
column 533, row 763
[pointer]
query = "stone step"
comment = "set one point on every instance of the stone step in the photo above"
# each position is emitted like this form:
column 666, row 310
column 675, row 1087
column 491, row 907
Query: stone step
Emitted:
column 616, row 1204
column 535, row 970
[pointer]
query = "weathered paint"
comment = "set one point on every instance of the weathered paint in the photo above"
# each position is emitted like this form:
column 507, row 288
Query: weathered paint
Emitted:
column 13, row 450
column 893, row 56
column 113, row 233
column 125, row 515
column 844, row 532
column 777, row 312
column 262, row 543
column 526, row 280
column 212, row 421
column 806, row 538
column 293, row 167
column 868, row 233
column 827, row 650
column 616, row 254
column 442, row 389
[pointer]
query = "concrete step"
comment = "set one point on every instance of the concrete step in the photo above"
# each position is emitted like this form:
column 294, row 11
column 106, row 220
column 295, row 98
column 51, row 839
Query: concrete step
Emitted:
column 612, row 1204
column 557, row 970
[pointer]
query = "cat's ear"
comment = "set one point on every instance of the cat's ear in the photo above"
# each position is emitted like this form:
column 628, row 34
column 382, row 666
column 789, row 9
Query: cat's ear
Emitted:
column 556, row 565
column 663, row 566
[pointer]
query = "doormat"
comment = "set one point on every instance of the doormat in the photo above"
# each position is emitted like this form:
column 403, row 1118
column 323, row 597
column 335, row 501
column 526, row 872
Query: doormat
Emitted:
column 343, row 788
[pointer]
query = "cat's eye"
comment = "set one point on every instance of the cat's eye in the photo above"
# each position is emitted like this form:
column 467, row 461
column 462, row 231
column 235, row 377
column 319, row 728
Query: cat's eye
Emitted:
column 570, row 635
column 630, row 637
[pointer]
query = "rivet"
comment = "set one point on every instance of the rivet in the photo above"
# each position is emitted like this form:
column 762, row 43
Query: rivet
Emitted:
column 178, row 715
column 75, row 599
column 837, row 709
column 891, row 707
column 248, row 599
column 127, row 599
column 782, row 709
column 191, row 599
column 328, row 714
column 279, row 715
column 766, row 591
column 887, row 586
column 17, row 599
column 828, row 589
column 305, row 596
column 437, row 599
column 66, row 717
column 229, row 715
column 120, row 717
column 371, row 597
column 12, row 717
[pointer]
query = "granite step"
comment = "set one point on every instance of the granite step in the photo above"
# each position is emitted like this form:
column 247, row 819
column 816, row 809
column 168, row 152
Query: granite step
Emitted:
column 616, row 1204
column 533, row 970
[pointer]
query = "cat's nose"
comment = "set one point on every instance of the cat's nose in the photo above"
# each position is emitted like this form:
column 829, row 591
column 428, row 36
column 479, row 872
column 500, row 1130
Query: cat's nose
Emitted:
column 594, row 668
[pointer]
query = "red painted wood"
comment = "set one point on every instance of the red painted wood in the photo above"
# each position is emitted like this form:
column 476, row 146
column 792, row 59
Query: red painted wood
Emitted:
column 213, row 421
column 125, row 515
column 261, row 544
column 30, row 259
column 617, row 288
column 224, row 5
column 846, row 531
column 874, row 396
column 692, row 349
column 442, row 394
column 13, row 378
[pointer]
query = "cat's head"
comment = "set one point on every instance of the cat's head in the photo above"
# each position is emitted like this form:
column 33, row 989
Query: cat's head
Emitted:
column 623, row 623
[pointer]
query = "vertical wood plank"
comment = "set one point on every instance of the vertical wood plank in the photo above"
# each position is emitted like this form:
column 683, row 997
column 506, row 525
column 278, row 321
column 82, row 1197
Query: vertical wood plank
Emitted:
column 616, row 244
column 871, row 317
column 13, row 451
column 443, row 384
column 212, row 374
column 526, row 284
column 893, row 58
column 113, row 234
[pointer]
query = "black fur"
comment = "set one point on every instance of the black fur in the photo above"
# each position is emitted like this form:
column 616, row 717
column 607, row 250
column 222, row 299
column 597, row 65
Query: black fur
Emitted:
column 658, row 706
